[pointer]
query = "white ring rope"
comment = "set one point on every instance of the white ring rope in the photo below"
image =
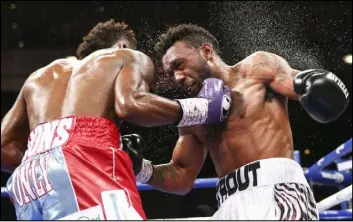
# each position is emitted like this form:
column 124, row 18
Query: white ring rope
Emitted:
column 337, row 198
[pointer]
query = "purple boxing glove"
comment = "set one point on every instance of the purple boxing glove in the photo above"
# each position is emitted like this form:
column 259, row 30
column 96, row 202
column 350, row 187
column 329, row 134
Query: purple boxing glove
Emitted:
column 211, row 106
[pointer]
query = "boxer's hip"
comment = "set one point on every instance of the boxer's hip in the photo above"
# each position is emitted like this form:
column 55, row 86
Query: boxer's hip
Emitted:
column 266, row 189
column 66, row 132
column 68, row 164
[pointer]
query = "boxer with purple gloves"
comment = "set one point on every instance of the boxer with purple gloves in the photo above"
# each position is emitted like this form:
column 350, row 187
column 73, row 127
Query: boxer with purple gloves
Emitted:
column 252, row 150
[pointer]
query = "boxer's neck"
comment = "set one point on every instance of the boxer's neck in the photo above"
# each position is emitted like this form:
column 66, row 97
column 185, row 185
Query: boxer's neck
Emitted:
column 219, row 68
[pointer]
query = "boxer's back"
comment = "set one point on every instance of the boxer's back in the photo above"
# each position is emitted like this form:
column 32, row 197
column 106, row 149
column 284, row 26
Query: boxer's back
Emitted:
column 44, row 91
column 69, row 87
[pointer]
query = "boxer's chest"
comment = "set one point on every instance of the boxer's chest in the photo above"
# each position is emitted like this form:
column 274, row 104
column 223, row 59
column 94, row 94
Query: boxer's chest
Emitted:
column 248, row 97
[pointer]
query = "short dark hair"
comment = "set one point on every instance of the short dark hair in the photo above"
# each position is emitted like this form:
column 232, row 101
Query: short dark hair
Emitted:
column 105, row 35
column 191, row 34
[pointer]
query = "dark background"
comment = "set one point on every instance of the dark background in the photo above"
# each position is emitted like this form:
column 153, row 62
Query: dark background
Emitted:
column 307, row 34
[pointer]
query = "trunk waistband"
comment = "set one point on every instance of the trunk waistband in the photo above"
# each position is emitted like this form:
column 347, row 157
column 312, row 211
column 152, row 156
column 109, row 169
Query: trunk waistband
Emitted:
column 81, row 129
column 259, row 173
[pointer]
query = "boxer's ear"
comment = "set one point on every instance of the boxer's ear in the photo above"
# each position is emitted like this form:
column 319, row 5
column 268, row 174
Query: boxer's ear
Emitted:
column 206, row 51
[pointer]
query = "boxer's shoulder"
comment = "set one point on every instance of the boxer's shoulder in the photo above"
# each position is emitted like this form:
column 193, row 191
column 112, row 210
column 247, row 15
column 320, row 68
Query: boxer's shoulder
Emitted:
column 259, row 64
column 57, row 67
column 112, row 58
column 138, row 58
column 259, row 54
column 119, row 56
column 256, row 58
column 63, row 63
column 116, row 53
column 46, row 74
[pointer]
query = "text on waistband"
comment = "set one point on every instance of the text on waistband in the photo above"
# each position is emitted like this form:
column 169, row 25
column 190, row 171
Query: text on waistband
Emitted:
column 238, row 180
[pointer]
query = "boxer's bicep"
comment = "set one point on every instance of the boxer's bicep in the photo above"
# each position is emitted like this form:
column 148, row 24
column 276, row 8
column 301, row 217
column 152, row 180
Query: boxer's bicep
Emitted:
column 14, row 134
column 134, row 76
column 275, row 71
column 283, row 83
column 129, row 82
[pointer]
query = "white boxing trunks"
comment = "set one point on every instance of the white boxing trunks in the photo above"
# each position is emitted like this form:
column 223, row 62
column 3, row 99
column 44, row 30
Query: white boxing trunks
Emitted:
column 269, row 189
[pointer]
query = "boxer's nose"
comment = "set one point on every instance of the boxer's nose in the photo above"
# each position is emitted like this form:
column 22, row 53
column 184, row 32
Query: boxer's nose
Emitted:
column 179, row 77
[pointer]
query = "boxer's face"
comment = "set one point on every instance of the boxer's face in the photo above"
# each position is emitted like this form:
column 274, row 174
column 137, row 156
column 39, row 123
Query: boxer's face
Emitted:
column 185, row 64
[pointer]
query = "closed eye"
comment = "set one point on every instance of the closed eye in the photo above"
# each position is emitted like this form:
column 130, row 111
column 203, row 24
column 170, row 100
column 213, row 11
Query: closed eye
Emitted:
column 178, row 66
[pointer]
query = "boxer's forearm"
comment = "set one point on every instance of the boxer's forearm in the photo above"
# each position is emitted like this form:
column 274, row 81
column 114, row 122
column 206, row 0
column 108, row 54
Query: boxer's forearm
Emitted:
column 171, row 179
column 147, row 109
column 11, row 156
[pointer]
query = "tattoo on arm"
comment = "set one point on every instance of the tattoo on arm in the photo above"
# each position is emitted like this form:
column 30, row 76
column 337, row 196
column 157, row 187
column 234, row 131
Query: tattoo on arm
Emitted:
column 278, row 65
column 165, row 174
column 264, row 60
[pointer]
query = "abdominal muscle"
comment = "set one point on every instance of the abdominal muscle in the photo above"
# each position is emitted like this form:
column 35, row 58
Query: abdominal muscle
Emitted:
column 260, row 130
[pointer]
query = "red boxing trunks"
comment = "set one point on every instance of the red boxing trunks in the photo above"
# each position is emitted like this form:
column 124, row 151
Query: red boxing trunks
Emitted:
column 75, row 167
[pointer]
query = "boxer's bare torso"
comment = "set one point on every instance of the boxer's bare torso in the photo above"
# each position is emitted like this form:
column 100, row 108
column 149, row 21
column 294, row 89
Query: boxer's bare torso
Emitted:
column 258, row 129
